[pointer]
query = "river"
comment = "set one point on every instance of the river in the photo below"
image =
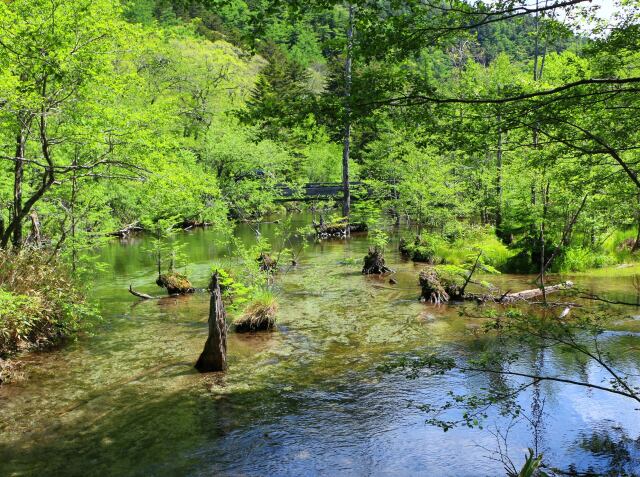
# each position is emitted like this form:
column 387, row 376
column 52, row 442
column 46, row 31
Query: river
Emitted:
column 307, row 399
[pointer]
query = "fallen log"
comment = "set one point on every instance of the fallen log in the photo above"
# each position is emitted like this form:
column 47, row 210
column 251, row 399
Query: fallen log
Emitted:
column 126, row 230
column 536, row 292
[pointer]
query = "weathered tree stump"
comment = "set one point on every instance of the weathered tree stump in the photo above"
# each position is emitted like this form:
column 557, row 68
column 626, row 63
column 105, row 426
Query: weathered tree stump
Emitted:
column 267, row 262
column 214, row 356
column 175, row 283
column 374, row 263
column 432, row 290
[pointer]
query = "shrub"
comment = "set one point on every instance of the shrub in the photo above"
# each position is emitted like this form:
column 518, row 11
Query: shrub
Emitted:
column 580, row 259
column 40, row 302
column 422, row 249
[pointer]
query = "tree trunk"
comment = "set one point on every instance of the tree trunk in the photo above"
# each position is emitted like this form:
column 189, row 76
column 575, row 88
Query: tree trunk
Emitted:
column 499, row 180
column 18, row 177
column 34, row 237
column 636, row 244
column 214, row 356
column 346, row 204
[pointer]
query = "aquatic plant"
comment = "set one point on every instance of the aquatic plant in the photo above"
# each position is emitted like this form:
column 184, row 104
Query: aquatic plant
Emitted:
column 260, row 314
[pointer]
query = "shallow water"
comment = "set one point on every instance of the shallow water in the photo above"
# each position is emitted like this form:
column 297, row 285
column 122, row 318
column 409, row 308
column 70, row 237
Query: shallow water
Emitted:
column 305, row 400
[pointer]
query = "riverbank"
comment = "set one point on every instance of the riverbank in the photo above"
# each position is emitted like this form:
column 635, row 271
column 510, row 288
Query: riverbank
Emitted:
column 41, row 304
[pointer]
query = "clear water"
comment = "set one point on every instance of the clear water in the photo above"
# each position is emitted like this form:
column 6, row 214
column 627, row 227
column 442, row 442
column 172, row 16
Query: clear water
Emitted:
column 305, row 400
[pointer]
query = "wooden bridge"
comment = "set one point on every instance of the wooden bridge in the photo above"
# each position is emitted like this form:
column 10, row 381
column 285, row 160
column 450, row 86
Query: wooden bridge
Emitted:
column 316, row 191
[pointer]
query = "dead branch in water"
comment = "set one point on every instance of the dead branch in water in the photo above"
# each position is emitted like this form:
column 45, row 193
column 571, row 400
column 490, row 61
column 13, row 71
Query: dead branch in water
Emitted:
column 126, row 230
column 143, row 296
column 591, row 296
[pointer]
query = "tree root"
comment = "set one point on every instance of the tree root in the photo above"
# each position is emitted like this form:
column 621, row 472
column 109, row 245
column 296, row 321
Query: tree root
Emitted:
column 374, row 263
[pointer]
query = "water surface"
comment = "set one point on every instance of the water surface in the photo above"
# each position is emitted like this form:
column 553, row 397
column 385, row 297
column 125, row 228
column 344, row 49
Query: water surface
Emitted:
column 305, row 400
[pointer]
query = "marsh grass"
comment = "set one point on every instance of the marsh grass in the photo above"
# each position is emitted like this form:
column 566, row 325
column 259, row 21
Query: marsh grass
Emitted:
column 40, row 302
column 260, row 313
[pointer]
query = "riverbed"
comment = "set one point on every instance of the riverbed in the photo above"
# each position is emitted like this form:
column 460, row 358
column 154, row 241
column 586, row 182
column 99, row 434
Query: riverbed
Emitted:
column 307, row 399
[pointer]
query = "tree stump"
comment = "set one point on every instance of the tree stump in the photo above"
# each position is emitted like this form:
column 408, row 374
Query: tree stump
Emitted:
column 214, row 356
column 175, row 283
column 374, row 263
column 432, row 289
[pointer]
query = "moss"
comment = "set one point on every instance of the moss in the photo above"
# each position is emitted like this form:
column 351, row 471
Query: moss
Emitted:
column 175, row 283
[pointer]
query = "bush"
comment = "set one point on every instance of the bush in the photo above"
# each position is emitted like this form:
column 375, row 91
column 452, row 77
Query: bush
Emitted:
column 40, row 303
column 580, row 259
column 422, row 249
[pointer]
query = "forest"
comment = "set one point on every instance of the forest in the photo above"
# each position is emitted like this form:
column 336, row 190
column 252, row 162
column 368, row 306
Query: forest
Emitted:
column 412, row 226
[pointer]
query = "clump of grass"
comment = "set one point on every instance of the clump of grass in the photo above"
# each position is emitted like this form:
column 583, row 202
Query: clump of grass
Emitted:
column 259, row 315
column 40, row 302
column 466, row 242
column 581, row 259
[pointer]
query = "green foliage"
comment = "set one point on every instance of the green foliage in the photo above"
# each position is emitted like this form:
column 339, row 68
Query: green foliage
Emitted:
column 236, row 293
column 40, row 302
column 422, row 248
column 531, row 467
column 580, row 259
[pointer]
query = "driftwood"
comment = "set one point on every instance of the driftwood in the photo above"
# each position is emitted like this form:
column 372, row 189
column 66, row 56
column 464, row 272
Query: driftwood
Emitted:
column 534, row 293
column 144, row 296
column 438, row 286
column 214, row 355
column 126, row 230
column 192, row 224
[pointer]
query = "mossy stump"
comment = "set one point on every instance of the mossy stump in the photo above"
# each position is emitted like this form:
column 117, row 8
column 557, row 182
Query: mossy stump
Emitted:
column 374, row 263
column 175, row 283
column 439, row 286
column 257, row 317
